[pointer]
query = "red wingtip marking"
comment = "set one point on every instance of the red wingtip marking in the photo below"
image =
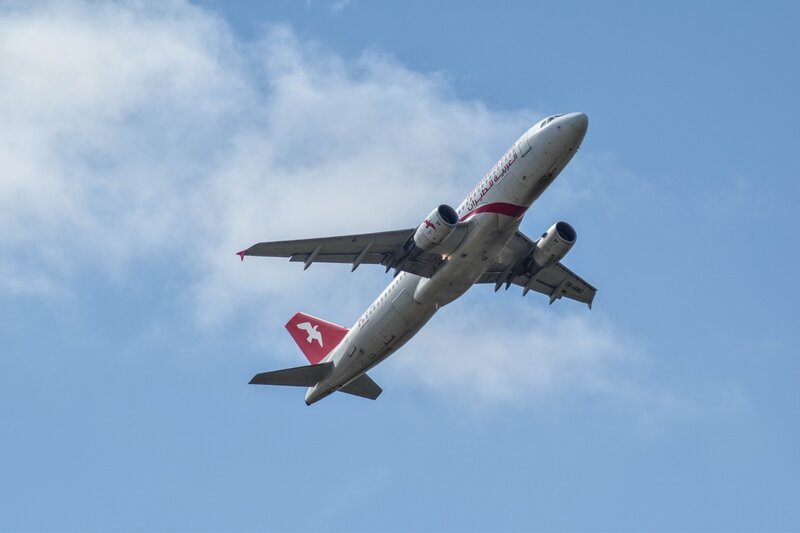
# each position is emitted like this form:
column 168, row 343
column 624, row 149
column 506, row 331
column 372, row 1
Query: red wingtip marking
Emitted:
column 241, row 254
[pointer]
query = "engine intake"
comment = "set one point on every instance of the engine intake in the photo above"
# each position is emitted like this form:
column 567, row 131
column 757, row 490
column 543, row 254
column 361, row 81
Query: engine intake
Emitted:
column 436, row 227
column 554, row 245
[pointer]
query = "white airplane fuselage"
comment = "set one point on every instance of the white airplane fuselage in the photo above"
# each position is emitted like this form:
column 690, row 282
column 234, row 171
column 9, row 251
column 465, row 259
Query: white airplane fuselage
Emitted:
column 494, row 211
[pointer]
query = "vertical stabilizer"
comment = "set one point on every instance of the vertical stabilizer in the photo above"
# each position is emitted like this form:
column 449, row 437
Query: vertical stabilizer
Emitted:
column 315, row 337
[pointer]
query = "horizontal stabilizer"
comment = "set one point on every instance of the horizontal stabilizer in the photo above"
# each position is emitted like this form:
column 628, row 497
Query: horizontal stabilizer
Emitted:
column 364, row 387
column 301, row 376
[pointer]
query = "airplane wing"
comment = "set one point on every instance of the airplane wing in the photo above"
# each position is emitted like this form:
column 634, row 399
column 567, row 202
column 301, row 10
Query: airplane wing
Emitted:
column 554, row 281
column 383, row 248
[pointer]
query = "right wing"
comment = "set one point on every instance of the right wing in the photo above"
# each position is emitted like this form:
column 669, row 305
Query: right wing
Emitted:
column 383, row 248
column 554, row 281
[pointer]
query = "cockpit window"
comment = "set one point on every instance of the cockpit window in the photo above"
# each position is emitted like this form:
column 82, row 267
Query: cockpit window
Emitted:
column 549, row 119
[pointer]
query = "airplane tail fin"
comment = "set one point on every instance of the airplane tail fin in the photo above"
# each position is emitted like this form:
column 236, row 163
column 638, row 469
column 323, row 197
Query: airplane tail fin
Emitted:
column 315, row 337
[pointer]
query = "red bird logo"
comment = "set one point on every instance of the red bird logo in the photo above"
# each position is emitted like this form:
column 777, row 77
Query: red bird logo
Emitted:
column 429, row 224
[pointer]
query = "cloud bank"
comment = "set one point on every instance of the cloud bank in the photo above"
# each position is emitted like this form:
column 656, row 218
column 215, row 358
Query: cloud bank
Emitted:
column 149, row 134
column 548, row 352
column 131, row 130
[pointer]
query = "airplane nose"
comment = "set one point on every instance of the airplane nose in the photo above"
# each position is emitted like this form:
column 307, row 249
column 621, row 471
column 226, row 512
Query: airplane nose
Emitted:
column 573, row 127
column 578, row 122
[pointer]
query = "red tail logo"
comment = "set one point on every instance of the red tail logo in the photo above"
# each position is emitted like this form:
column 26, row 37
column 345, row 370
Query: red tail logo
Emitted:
column 315, row 337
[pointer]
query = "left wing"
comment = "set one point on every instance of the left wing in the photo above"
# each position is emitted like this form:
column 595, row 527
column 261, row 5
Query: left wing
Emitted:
column 385, row 248
column 554, row 281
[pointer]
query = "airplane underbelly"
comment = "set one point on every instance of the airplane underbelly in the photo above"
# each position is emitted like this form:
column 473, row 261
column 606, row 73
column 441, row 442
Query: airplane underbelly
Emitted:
column 388, row 330
column 469, row 262
column 416, row 300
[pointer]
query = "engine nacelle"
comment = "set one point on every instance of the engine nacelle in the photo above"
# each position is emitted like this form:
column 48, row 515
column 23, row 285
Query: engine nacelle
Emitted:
column 553, row 246
column 436, row 228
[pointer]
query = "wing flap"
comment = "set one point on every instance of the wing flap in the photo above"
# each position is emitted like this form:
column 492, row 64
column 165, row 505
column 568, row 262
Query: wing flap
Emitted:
column 574, row 286
column 424, row 265
column 555, row 281
column 369, row 259
column 558, row 281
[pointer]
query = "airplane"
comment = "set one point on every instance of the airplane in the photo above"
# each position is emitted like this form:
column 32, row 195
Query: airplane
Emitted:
column 436, row 262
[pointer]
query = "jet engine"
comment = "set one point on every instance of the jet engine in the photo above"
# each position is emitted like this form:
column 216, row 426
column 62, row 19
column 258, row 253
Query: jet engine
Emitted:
column 553, row 246
column 439, row 225
column 436, row 227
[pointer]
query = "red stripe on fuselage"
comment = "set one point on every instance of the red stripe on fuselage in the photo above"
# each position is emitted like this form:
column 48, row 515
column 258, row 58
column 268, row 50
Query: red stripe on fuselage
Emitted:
column 500, row 208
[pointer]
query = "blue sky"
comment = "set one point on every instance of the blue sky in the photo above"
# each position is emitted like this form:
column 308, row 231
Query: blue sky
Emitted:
column 142, row 145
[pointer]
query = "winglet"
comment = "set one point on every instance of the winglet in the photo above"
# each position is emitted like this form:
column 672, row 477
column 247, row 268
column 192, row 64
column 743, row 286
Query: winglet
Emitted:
column 241, row 254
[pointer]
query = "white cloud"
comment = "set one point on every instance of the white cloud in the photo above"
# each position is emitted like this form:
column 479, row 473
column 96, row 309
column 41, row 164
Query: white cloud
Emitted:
column 147, row 133
column 340, row 5
column 526, row 350
column 105, row 110
column 504, row 350
column 141, row 129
